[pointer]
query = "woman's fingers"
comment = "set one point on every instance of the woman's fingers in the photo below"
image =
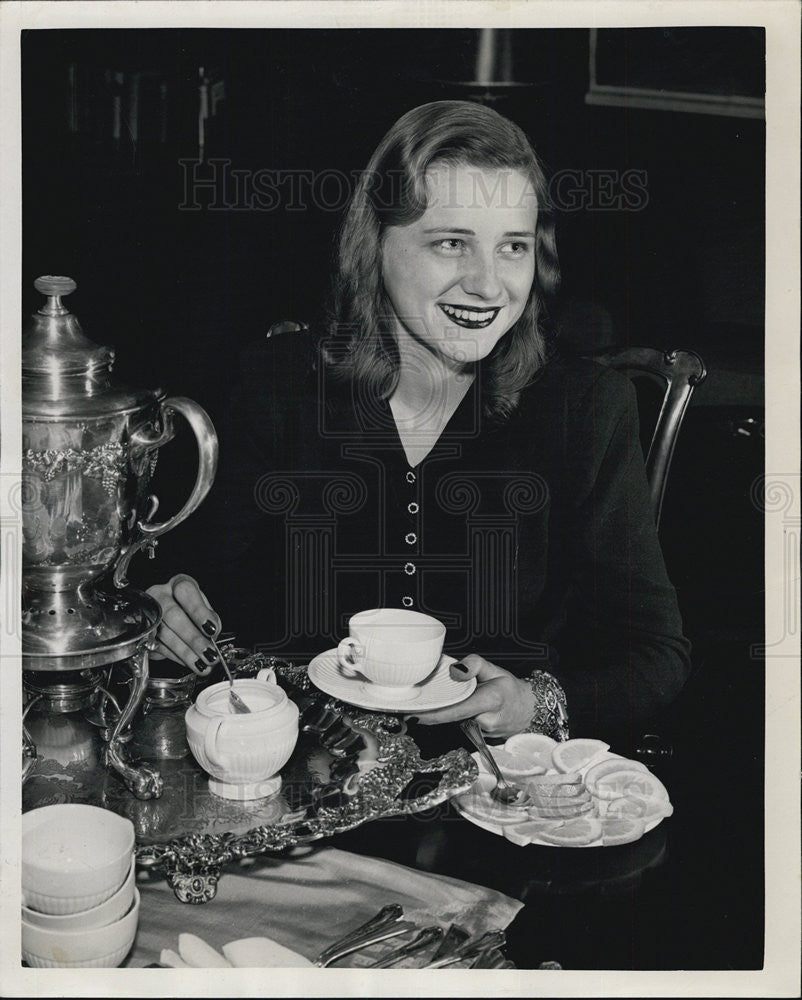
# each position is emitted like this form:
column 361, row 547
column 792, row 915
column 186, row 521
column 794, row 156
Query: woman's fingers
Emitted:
column 187, row 623
column 502, row 704
column 195, row 644
column 176, row 649
column 486, row 698
column 476, row 666
column 191, row 598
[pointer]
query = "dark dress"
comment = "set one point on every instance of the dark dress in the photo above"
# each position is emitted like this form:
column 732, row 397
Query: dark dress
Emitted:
column 533, row 539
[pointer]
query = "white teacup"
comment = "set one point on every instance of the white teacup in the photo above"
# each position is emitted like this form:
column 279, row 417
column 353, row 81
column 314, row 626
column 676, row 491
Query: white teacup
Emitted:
column 243, row 753
column 393, row 648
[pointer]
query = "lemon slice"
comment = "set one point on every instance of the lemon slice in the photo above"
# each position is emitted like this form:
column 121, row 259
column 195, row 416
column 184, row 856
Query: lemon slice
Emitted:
column 559, row 801
column 608, row 765
column 621, row 830
column 573, row 755
column 567, row 811
column 555, row 790
column 646, row 809
column 525, row 833
column 517, row 765
column 630, row 784
column 531, row 744
column 556, row 780
column 573, row 833
column 633, row 808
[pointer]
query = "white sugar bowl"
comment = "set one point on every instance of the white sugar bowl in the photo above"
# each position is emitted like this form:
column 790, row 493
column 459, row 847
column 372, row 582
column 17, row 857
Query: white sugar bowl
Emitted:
column 243, row 753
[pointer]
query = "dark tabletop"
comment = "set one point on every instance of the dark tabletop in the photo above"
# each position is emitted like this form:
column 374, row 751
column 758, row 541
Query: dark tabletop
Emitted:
column 688, row 895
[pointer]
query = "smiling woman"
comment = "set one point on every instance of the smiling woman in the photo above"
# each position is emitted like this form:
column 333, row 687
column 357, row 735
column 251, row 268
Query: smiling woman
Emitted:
column 451, row 218
column 438, row 451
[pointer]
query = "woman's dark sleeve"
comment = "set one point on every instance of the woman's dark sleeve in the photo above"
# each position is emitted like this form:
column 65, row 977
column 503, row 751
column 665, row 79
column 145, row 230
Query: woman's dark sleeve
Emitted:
column 624, row 658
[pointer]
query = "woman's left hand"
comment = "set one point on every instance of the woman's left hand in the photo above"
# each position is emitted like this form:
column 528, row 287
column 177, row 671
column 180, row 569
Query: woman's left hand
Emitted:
column 502, row 704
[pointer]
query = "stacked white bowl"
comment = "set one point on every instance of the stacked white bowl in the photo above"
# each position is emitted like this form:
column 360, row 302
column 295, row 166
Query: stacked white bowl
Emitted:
column 80, row 904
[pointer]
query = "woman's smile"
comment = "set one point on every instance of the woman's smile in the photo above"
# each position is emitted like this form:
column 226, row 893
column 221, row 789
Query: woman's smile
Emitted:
column 469, row 316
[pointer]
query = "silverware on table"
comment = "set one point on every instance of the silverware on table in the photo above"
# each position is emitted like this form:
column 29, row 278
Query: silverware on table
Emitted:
column 488, row 958
column 389, row 917
column 357, row 944
column 470, row 949
column 503, row 792
column 454, row 937
column 421, row 941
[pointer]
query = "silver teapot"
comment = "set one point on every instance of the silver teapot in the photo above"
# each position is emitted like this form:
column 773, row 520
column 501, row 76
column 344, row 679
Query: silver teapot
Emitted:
column 89, row 451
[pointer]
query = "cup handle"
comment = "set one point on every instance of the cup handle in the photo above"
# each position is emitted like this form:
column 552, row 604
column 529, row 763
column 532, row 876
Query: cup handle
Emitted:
column 210, row 740
column 349, row 652
column 268, row 675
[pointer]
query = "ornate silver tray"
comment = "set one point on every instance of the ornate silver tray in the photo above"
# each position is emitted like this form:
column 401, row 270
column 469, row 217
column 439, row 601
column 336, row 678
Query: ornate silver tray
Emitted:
column 349, row 767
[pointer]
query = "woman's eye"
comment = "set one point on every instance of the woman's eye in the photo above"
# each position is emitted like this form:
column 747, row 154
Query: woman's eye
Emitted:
column 450, row 247
column 515, row 249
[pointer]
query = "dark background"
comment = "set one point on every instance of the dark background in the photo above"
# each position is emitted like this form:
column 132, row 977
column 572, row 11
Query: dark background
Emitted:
column 180, row 292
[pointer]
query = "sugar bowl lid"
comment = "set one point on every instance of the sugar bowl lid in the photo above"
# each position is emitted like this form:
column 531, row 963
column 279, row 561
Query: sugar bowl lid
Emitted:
column 61, row 366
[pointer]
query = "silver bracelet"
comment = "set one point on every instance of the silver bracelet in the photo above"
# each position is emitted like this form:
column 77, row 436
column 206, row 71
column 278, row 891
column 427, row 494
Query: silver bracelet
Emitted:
column 551, row 710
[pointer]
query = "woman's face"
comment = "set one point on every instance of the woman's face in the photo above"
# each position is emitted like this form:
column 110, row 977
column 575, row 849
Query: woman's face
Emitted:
column 459, row 277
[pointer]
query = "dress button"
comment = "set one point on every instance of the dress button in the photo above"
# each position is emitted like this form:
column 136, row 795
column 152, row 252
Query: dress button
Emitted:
column 411, row 538
column 410, row 569
column 411, row 477
column 407, row 602
column 413, row 508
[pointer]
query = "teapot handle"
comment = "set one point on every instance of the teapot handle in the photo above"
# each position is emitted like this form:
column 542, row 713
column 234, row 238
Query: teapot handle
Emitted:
column 267, row 674
column 146, row 439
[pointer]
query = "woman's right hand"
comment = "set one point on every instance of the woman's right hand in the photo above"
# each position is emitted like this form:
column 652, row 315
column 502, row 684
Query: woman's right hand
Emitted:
column 188, row 621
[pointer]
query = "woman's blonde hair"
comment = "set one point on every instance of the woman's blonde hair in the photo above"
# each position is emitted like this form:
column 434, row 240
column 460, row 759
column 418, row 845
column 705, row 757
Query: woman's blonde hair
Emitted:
column 392, row 192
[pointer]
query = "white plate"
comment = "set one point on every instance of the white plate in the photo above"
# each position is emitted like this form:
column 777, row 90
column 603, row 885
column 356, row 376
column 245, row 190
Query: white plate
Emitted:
column 487, row 781
column 438, row 690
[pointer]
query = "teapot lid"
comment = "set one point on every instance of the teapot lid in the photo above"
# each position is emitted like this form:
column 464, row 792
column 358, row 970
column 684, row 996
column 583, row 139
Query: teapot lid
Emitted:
column 60, row 364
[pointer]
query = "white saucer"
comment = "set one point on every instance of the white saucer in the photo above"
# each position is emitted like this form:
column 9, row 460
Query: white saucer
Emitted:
column 438, row 690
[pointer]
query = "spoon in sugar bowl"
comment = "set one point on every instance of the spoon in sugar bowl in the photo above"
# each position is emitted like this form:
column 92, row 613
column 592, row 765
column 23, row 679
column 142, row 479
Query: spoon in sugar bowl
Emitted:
column 237, row 703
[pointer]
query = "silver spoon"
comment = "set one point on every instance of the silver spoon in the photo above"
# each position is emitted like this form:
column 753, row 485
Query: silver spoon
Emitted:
column 503, row 792
column 386, row 917
column 385, row 925
column 237, row 703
